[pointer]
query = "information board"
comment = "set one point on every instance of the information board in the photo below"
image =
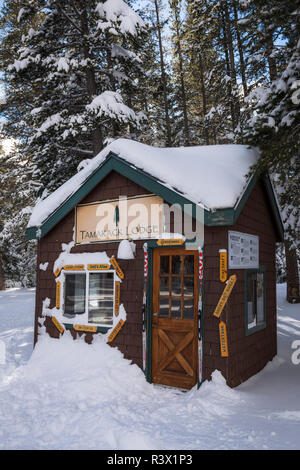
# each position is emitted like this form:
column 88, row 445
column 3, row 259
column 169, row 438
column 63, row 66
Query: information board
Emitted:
column 243, row 250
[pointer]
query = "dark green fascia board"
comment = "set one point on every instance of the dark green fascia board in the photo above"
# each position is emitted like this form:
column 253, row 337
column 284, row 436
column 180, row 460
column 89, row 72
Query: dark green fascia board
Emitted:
column 274, row 205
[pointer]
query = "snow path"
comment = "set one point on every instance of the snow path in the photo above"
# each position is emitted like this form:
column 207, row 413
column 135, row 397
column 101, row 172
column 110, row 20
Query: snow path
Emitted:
column 69, row 395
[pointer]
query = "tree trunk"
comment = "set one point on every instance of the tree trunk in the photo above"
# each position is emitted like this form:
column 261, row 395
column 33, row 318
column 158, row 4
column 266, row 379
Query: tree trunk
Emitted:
column 204, row 100
column 240, row 48
column 163, row 78
column 271, row 61
column 2, row 280
column 232, row 61
column 181, row 74
column 292, row 274
column 97, row 136
column 228, row 71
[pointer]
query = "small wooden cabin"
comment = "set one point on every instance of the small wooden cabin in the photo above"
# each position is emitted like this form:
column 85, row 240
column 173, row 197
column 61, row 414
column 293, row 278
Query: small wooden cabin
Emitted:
column 180, row 294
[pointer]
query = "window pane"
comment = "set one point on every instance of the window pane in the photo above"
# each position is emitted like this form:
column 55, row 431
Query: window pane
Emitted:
column 164, row 286
column 251, row 300
column 164, row 307
column 176, row 264
column 188, row 308
column 101, row 295
column 188, row 285
column 176, row 308
column 189, row 264
column 164, row 265
column 74, row 294
column 260, row 297
column 176, row 286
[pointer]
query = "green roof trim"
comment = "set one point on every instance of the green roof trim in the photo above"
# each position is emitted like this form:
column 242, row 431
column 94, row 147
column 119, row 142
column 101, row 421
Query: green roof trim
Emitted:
column 221, row 217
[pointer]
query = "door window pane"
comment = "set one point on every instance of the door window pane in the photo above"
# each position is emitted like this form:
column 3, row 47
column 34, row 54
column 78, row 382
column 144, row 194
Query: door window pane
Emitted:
column 188, row 308
column 189, row 264
column 176, row 264
column 164, row 307
column 188, row 286
column 164, row 264
column 164, row 286
column 74, row 294
column 176, row 308
column 176, row 286
column 101, row 295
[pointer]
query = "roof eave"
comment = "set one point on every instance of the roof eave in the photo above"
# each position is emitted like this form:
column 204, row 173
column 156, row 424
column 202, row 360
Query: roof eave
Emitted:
column 112, row 162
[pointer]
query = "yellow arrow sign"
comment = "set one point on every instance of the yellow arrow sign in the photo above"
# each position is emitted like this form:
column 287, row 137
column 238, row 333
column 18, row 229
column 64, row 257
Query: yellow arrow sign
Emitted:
column 115, row 331
column 98, row 267
column 57, row 324
column 224, row 297
column 74, row 267
column 170, row 241
column 223, row 339
column 117, row 267
column 117, row 298
column 58, row 288
column 88, row 328
column 223, row 265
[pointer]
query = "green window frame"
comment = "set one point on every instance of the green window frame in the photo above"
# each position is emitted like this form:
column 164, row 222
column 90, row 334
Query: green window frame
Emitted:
column 255, row 300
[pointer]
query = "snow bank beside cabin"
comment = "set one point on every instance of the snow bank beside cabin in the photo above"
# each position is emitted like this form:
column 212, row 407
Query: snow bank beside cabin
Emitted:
column 212, row 176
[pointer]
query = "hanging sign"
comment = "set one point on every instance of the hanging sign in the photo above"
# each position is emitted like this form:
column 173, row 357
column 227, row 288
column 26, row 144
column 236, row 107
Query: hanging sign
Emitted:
column 135, row 218
column 74, row 267
column 87, row 328
column 223, row 265
column 117, row 267
column 223, row 339
column 98, row 267
column 58, row 289
column 224, row 297
column 117, row 297
column 170, row 241
column 243, row 250
column 57, row 324
column 115, row 331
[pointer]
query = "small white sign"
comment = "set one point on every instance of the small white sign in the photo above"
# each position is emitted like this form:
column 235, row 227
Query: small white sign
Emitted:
column 243, row 250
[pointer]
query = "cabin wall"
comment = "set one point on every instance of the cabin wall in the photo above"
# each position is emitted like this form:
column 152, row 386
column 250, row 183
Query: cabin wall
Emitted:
column 129, row 339
column 247, row 354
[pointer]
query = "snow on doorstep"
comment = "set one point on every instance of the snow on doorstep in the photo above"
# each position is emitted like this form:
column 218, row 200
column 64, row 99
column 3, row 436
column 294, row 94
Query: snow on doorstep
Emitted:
column 212, row 176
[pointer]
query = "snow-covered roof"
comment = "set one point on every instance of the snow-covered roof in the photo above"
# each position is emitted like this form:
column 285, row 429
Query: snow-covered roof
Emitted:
column 212, row 176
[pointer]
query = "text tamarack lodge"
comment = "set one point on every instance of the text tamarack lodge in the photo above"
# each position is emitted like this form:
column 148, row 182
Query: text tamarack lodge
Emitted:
column 169, row 253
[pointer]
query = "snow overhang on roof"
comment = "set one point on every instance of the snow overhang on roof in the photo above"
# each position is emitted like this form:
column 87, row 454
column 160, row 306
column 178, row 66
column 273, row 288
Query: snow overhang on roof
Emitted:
column 212, row 177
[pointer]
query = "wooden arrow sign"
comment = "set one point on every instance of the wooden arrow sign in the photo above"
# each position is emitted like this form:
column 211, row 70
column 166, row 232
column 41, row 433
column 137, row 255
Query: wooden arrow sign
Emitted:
column 224, row 297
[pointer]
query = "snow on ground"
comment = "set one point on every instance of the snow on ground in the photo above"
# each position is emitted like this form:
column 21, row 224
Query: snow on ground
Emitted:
column 69, row 395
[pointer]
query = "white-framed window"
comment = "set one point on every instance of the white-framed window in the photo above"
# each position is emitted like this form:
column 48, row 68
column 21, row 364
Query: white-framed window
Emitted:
column 255, row 299
column 90, row 294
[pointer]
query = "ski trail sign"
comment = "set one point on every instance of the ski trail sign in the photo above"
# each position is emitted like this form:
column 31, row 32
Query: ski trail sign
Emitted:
column 224, row 297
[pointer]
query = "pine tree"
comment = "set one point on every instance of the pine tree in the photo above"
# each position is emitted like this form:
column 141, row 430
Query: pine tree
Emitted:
column 179, row 74
column 17, row 254
column 77, row 58
column 275, row 125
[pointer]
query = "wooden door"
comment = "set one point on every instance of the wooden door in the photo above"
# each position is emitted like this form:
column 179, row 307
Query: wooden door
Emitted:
column 174, row 317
